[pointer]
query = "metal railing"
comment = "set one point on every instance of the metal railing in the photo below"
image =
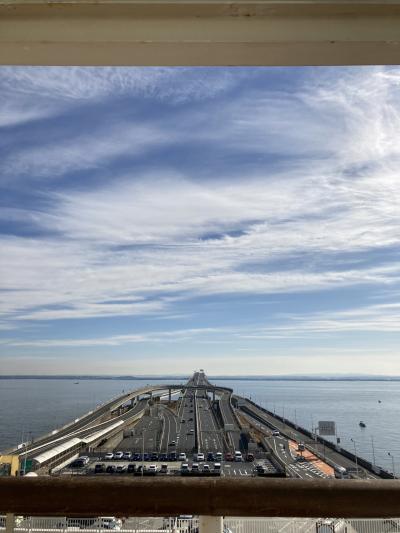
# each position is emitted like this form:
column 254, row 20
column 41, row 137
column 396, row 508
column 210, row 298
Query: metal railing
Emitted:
column 193, row 524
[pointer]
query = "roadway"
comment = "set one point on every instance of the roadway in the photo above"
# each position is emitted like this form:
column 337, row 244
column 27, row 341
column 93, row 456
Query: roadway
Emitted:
column 334, row 458
column 186, row 434
column 209, row 437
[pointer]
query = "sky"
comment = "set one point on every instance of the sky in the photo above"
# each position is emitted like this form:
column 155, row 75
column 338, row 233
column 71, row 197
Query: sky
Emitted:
column 159, row 220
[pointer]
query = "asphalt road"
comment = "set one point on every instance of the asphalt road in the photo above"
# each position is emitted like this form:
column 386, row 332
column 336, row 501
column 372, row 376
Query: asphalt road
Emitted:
column 186, row 435
column 209, row 434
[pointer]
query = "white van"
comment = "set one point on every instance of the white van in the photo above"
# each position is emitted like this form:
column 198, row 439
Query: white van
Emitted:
column 238, row 457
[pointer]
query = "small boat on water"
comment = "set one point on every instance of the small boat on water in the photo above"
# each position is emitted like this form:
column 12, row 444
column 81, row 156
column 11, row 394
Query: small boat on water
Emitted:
column 76, row 383
column 362, row 424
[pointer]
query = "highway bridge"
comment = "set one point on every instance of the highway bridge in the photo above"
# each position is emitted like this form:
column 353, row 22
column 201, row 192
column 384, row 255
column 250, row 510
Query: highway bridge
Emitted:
column 169, row 422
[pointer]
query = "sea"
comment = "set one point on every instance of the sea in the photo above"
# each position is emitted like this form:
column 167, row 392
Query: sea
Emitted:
column 30, row 408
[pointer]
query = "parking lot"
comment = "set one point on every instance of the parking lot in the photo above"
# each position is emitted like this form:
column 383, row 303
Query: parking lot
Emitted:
column 157, row 464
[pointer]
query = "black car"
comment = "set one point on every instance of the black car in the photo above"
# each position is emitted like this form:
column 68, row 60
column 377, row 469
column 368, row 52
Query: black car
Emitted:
column 210, row 456
column 131, row 468
column 99, row 468
column 110, row 469
column 77, row 464
column 172, row 456
column 146, row 457
column 154, row 456
column 163, row 457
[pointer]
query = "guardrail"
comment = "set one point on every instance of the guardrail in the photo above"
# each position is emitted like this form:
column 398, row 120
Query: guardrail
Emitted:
column 199, row 496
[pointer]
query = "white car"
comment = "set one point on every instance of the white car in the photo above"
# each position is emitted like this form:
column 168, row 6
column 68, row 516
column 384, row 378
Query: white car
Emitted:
column 153, row 469
column 118, row 455
column 108, row 522
column 182, row 456
column 275, row 433
column 84, row 458
column 108, row 456
column 200, row 457
column 238, row 457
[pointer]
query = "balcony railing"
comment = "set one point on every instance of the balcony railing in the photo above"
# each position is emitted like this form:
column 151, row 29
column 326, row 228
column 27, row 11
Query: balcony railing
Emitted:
column 253, row 497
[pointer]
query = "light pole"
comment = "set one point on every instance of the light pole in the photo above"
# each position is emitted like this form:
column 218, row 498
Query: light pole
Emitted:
column 355, row 453
column 143, row 433
column 373, row 449
column 393, row 469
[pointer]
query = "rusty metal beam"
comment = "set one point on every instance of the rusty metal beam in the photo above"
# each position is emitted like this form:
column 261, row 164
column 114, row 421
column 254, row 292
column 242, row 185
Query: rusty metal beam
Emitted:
column 125, row 496
column 199, row 32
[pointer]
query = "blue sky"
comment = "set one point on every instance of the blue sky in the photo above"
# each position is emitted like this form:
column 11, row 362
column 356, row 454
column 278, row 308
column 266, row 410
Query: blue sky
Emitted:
column 155, row 220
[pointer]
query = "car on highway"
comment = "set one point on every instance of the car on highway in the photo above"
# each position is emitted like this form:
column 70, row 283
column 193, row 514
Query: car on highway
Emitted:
column 275, row 433
column 182, row 421
column 110, row 469
column 182, row 456
column 228, row 456
column 127, row 456
column 172, row 443
column 191, row 431
column 118, row 455
column 210, row 456
column 131, row 468
column 109, row 456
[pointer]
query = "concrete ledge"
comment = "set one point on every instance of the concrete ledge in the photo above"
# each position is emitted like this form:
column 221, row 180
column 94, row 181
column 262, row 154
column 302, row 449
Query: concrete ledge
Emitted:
column 199, row 32
column 216, row 497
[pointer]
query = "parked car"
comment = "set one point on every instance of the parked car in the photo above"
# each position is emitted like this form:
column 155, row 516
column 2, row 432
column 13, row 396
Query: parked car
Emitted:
column 146, row 457
column 110, row 469
column 131, row 468
column 172, row 443
column 109, row 456
column 182, row 456
column 206, row 468
column 200, row 457
column 121, row 469
column 210, row 457
column 228, row 457
column 99, row 468
column 238, row 456
column 152, row 469
column 154, row 456
column 218, row 456
column 184, row 468
column 163, row 457
column 250, row 457
column 77, row 464
column 164, row 469
column 172, row 456
column 118, row 455
column 84, row 458
column 127, row 456
column 195, row 467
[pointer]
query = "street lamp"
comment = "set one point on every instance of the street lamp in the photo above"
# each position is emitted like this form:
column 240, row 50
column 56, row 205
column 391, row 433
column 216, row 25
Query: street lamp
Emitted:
column 355, row 453
column 393, row 469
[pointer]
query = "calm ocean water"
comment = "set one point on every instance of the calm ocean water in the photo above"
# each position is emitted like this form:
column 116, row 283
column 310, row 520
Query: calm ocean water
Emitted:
column 39, row 406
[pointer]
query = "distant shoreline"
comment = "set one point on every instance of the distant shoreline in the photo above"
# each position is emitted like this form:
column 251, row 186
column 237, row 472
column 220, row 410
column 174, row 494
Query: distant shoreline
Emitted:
column 221, row 378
